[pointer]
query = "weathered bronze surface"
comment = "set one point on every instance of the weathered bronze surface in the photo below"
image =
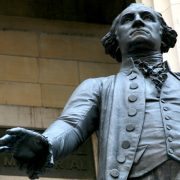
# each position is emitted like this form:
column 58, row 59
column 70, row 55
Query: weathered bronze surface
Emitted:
column 135, row 112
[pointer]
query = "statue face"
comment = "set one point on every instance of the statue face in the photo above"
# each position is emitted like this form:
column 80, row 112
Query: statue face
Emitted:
column 138, row 30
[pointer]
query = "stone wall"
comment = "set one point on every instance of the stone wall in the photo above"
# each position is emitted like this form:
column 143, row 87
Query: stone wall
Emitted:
column 41, row 63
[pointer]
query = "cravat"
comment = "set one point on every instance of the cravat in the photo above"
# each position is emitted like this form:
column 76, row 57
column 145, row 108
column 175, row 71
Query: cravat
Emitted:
column 157, row 73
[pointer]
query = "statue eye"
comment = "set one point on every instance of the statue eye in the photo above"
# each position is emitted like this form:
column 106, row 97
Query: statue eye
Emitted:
column 148, row 17
column 127, row 19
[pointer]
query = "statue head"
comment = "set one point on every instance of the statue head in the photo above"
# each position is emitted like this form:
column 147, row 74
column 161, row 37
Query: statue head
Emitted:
column 138, row 27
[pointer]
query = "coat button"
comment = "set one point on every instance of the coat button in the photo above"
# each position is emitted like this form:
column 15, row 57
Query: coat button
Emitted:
column 132, row 76
column 121, row 158
column 114, row 173
column 168, row 127
column 133, row 86
column 125, row 144
column 165, row 108
column 132, row 112
column 167, row 118
column 132, row 98
column 163, row 101
column 170, row 139
column 171, row 151
column 130, row 127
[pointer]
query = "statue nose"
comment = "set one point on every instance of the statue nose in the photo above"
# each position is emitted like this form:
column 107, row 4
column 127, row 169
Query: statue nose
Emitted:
column 138, row 22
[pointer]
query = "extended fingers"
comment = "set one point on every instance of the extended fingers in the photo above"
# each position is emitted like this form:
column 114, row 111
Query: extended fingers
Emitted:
column 16, row 131
column 7, row 139
column 5, row 149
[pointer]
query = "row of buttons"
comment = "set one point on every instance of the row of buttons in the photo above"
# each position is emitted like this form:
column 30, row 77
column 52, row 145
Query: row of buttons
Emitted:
column 131, row 111
column 129, row 127
column 168, row 127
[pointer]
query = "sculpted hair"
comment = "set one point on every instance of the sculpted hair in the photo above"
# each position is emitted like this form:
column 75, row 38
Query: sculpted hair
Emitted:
column 169, row 37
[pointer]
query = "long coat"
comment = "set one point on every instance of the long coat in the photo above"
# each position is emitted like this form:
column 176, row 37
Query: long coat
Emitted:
column 106, row 105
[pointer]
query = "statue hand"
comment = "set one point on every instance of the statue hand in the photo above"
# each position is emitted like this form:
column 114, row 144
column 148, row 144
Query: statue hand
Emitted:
column 30, row 149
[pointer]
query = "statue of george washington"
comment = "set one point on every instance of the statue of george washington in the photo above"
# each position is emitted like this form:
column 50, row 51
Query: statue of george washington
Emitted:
column 136, row 112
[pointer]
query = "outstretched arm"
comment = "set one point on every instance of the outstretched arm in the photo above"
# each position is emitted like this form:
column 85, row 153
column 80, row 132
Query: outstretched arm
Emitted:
column 34, row 151
column 79, row 119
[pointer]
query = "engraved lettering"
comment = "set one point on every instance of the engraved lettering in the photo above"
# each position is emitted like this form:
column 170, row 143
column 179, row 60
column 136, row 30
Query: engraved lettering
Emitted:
column 9, row 162
column 75, row 165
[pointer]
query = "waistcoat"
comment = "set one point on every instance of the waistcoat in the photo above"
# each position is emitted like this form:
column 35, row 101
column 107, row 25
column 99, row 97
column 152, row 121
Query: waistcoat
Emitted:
column 151, row 151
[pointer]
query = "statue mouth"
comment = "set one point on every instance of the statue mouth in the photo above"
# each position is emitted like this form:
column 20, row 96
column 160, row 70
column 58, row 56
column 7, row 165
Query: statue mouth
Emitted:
column 139, row 31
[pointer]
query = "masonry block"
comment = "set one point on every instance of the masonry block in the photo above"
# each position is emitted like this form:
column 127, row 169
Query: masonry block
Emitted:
column 72, row 47
column 55, row 95
column 58, row 72
column 26, row 116
column 19, row 43
column 89, row 70
column 20, row 93
column 43, row 117
column 17, row 68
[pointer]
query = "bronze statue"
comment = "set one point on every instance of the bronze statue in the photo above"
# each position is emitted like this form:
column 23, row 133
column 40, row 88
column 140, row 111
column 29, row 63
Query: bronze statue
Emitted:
column 136, row 112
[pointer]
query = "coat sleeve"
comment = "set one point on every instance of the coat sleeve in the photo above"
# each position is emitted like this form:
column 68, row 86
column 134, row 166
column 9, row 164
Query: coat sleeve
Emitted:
column 79, row 119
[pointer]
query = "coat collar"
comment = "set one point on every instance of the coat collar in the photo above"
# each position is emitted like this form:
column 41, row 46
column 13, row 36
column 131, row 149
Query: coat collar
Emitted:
column 127, row 66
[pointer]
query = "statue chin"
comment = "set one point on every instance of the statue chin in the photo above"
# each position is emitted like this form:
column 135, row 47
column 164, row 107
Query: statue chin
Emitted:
column 142, row 43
